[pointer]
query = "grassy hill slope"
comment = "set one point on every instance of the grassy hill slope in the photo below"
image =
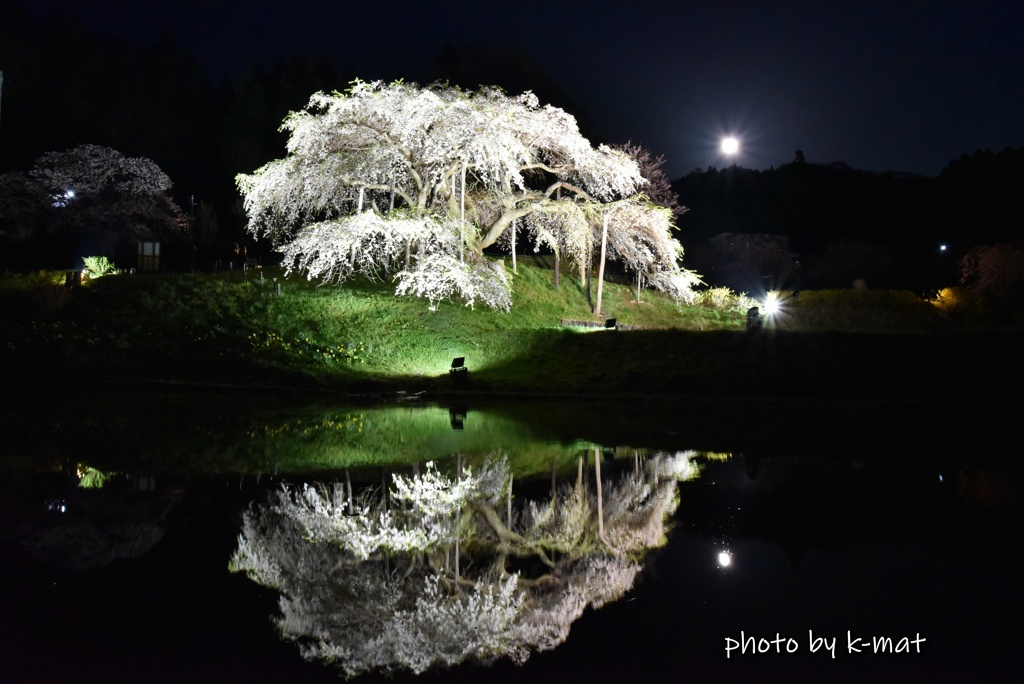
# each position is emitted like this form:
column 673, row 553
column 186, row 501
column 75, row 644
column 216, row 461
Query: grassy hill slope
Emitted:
column 259, row 329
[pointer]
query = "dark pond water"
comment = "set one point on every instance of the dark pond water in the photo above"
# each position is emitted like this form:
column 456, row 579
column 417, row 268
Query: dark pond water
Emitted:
column 712, row 559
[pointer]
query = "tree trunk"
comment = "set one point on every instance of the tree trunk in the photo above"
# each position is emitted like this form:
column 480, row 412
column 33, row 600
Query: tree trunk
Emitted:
column 463, row 214
column 514, row 269
column 508, row 516
column 588, row 276
column 338, row 496
column 600, row 499
column 359, row 210
column 600, row 271
column 558, row 196
column 554, row 483
column 384, row 490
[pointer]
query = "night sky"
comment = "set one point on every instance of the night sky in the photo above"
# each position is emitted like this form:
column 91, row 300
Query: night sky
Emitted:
column 882, row 86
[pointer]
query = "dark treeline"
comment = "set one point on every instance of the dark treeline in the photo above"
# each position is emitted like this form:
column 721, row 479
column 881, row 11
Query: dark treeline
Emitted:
column 840, row 225
column 65, row 86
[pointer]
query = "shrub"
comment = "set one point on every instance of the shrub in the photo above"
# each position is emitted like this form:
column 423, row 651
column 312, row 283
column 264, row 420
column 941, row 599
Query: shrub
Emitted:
column 723, row 299
column 31, row 296
column 98, row 266
column 863, row 311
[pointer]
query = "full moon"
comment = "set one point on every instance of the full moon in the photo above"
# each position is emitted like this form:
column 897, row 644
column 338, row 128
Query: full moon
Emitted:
column 730, row 146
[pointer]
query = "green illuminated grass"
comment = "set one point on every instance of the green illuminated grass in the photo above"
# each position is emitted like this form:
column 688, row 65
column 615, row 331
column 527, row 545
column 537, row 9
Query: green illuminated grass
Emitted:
column 232, row 329
column 401, row 337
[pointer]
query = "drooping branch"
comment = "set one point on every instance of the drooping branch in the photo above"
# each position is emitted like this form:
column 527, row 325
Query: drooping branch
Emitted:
column 511, row 542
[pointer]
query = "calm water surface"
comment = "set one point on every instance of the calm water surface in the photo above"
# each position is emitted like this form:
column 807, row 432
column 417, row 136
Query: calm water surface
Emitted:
column 120, row 518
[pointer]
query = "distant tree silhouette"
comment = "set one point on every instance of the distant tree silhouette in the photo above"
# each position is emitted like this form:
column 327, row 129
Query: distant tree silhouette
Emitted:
column 996, row 272
column 65, row 86
column 98, row 199
column 659, row 188
column 23, row 207
column 254, row 109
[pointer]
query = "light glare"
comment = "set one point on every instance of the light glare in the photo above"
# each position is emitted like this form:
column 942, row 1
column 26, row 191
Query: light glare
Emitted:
column 730, row 146
column 724, row 559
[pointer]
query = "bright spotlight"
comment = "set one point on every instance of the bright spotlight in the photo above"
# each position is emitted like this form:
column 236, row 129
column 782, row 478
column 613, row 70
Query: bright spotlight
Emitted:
column 771, row 303
column 942, row 248
column 730, row 146
column 724, row 559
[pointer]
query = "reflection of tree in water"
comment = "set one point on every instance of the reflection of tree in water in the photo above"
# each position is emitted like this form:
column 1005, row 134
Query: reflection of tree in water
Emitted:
column 433, row 573
column 85, row 518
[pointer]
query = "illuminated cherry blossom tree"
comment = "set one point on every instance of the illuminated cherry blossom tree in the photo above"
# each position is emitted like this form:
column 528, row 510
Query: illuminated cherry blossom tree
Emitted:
column 417, row 182
column 382, row 587
column 97, row 190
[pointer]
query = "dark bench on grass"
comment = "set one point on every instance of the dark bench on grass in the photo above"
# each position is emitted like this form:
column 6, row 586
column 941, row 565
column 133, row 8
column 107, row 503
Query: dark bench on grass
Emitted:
column 609, row 324
column 458, row 368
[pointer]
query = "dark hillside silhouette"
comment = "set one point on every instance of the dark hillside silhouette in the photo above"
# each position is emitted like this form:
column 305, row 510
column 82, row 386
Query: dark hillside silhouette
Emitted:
column 821, row 224
column 831, row 213
column 64, row 86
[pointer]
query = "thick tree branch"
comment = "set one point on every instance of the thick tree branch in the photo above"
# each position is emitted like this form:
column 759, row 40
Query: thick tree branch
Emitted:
column 512, row 543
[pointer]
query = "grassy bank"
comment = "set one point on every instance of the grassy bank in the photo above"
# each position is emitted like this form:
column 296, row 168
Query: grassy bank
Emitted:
column 260, row 329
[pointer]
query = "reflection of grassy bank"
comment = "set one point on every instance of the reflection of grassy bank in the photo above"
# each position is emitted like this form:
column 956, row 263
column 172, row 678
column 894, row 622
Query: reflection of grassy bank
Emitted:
column 186, row 434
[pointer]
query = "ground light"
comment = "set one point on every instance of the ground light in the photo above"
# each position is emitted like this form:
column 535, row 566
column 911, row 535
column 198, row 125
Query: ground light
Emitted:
column 772, row 303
